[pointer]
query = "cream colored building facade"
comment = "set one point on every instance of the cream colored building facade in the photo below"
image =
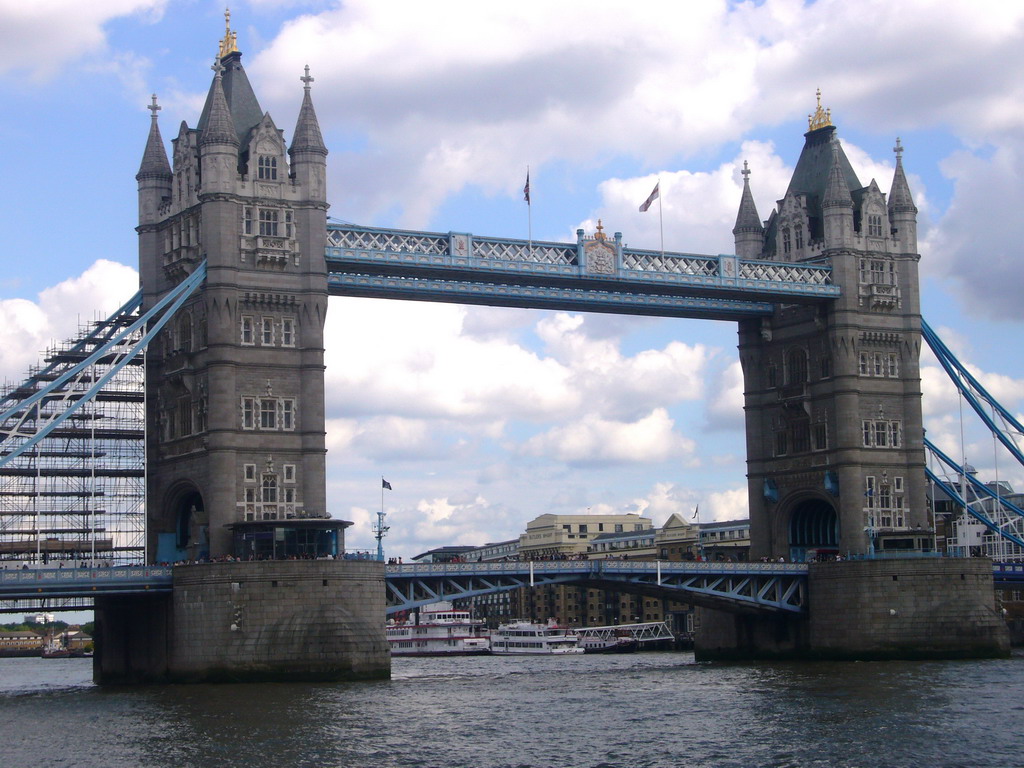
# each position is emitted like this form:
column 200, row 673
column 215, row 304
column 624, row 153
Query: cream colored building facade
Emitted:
column 566, row 535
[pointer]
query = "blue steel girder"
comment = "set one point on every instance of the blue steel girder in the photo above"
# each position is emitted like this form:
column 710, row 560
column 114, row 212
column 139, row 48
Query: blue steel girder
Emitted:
column 463, row 268
column 19, row 431
column 740, row 587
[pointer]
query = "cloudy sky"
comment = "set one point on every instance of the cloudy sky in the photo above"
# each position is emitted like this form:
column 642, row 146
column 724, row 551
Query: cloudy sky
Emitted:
column 482, row 419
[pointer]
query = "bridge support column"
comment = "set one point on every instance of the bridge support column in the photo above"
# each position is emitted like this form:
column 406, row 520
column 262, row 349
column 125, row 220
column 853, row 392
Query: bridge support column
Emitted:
column 250, row 622
column 933, row 608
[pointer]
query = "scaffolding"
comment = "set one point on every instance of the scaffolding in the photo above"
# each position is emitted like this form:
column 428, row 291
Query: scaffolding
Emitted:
column 76, row 496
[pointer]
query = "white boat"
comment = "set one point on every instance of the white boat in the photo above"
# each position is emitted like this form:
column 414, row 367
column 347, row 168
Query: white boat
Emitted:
column 523, row 637
column 442, row 630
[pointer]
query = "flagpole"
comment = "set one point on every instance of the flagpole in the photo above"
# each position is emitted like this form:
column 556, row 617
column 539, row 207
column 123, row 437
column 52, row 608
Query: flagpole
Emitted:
column 529, row 213
column 381, row 529
column 661, row 220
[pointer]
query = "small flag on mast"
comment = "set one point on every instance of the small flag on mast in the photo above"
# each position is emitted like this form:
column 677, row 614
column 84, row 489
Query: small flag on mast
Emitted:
column 650, row 198
column 385, row 484
column 526, row 189
column 696, row 510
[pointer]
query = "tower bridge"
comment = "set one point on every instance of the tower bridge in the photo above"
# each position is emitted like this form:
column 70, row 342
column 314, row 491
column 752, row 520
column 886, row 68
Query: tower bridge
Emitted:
column 237, row 260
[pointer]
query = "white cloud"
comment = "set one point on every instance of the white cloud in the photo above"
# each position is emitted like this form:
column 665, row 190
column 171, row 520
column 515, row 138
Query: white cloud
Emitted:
column 456, row 93
column 977, row 242
column 27, row 327
column 42, row 37
column 593, row 441
column 726, row 505
column 725, row 407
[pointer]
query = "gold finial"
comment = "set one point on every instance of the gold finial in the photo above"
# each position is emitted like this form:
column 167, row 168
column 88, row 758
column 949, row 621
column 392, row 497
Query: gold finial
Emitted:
column 822, row 118
column 599, row 235
column 230, row 42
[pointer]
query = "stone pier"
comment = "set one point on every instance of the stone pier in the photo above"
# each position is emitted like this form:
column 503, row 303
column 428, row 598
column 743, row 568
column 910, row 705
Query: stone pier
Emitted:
column 300, row 620
column 929, row 608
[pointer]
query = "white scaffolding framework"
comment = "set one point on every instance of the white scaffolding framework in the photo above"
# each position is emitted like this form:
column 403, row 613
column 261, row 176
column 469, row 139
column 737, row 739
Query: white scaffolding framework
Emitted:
column 77, row 496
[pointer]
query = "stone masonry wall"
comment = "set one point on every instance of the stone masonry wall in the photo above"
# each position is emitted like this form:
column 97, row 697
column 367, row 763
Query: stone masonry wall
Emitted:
column 281, row 620
column 905, row 609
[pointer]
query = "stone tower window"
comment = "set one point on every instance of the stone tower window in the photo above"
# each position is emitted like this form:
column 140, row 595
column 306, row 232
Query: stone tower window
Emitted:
column 247, row 329
column 874, row 225
column 796, row 367
column 267, row 168
column 269, row 488
column 185, row 333
column 269, row 219
column 787, row 245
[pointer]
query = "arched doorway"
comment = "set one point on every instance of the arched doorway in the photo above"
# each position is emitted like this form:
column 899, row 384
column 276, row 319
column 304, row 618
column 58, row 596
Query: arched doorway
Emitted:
column 190, row 539
column 813, row 531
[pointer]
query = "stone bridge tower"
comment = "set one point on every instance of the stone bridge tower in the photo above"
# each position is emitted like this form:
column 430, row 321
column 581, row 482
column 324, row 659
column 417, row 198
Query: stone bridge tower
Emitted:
column 832, row 392
column 235, row 381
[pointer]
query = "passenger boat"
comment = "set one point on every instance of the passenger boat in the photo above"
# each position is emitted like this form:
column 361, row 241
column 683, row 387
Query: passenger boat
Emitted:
column 441, row 630
column 525, row 638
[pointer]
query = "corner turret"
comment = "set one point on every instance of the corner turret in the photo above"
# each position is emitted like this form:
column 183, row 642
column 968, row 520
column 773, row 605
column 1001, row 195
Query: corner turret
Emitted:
column 837, row 206
column 308, row 152
column 218, row 142
column 749, row 231
column 902, row 211
column 154, row 174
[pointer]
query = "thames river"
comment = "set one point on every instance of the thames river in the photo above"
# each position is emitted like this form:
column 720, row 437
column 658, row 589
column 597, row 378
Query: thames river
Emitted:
column 628, row 711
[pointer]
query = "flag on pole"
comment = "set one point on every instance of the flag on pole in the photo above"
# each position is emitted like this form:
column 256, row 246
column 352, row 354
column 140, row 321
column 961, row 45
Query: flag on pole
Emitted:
column 526, row 189
column 696, row 510
column 650, row 198
column 385, row 484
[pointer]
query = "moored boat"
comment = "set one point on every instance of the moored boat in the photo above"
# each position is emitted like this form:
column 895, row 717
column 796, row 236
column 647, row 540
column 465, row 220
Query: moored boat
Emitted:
column 616, row 644
column 526, row 638
column 439, row 630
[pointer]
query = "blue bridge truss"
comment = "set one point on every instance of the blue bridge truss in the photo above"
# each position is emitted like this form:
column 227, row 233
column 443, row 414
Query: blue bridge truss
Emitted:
column 591, row 275
column 739, row 587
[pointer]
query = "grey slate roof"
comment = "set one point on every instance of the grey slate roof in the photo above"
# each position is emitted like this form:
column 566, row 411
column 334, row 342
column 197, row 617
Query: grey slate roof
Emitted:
column 154, row 159
column 220, row 128
column 307, row 136
column 747, row 219
column 241, row 100
column 900, row 199
column 810, row 178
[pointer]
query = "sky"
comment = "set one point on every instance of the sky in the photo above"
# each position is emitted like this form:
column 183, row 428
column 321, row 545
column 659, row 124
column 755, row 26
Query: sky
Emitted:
column 480, row 418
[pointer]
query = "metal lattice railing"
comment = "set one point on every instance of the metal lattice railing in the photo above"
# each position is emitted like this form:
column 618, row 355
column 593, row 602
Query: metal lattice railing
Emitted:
column 650, row 261
column 432, row 249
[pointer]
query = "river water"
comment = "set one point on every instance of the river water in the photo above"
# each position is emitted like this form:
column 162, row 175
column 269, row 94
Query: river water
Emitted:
column 627, row 711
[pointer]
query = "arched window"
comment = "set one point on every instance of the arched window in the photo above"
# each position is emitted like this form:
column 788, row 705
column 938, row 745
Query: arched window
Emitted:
column 185, row 333
column 269, row 489
column 796, row 367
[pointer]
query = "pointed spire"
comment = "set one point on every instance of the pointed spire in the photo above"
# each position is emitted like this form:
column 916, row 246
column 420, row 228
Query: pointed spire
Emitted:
column 900, row 199
column 837, row 193
column 747, row 219
column 220, row 128
column 154, row 159
column 307, row 136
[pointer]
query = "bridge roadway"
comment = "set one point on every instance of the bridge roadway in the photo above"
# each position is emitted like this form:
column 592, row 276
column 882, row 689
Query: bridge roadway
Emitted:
column 757, row 587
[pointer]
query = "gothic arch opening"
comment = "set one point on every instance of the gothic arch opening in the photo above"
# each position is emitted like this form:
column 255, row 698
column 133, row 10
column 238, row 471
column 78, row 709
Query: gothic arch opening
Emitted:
column 191, row 524
column 813, row 531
